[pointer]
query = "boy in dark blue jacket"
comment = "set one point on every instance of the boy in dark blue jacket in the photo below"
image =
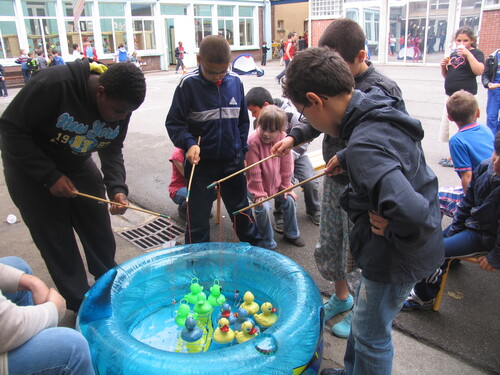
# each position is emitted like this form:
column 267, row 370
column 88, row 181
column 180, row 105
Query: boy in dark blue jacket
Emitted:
column 475, row 229
column 391, row 198
column 209, row 104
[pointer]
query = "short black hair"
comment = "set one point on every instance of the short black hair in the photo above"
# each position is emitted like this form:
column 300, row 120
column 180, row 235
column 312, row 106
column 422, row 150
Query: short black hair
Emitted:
column 319, row 70
column 344, row 36
column 462, row 107
column 75, row 46
column 124, row 82
column 215, row 49
column 497, row 143
column 257, row 96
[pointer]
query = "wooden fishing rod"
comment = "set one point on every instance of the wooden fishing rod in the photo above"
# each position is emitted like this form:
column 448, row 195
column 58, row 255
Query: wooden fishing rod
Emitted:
column 121, row 205
column 279, row 193
column 192, row 174
column 213, row 184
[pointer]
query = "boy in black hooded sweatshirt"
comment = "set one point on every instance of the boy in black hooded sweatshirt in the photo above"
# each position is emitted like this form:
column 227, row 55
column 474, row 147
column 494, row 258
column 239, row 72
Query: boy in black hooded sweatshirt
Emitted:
column 391, row 199
column 48, row 133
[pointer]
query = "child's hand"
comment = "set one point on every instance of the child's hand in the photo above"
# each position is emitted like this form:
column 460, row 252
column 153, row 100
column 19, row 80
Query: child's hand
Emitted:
column 333, row 167
column 63, row 187
column 283, row 147
column 484, row 264
column 292, row 194
column 378, row 223
column 193, row 154
column 445, row 61
column 119, row 210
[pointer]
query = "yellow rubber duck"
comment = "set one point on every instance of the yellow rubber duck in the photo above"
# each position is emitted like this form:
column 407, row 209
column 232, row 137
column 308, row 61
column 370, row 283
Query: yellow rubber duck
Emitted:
column 223, row 334
column 249, row 304
column 268, row 317
column 248, row 332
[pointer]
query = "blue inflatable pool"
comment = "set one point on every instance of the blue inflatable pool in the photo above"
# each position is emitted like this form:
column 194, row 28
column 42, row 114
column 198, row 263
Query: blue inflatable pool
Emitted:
column 128, row 317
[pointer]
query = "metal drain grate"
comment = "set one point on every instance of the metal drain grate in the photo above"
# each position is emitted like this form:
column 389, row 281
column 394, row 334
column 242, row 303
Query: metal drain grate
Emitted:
column 152, row 234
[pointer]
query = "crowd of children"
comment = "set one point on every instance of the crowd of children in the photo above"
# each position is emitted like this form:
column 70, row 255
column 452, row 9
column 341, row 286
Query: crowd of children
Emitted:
column 379, row 206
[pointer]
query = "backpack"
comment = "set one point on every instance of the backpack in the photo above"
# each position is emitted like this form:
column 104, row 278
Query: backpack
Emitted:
column 177, row 53
column 122, row 55
column 32, row 65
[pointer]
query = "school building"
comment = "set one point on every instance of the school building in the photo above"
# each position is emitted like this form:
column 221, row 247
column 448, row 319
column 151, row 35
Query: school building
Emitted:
column 154, row 27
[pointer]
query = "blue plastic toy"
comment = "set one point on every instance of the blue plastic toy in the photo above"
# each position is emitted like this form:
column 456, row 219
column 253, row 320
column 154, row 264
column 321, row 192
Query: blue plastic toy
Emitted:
column 191, row 331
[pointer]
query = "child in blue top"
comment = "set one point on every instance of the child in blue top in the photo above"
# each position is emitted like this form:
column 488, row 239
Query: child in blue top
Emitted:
column 473, row 143
column 209, row 105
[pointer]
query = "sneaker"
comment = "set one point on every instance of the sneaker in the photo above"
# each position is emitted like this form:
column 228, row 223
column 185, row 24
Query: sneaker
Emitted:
column 278, row 81
column 343, row 328
column 295, row 241
column 181, row 210
column 413, row 302
column 336, row 306
column 333, row 371
column 315, row 217
column 278, row 226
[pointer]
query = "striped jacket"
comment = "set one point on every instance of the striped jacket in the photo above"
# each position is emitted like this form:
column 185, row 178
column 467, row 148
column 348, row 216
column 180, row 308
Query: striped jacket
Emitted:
column 216, row 113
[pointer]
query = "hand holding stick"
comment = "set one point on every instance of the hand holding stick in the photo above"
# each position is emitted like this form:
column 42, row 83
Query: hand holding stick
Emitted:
column 121, row 205
column 192, row 174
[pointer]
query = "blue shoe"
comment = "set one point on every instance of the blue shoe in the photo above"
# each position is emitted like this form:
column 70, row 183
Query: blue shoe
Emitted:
column 343, row 328
column 335, row 306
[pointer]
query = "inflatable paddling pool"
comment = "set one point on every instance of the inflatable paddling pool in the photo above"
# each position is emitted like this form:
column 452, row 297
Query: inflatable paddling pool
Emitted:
column 129, row 315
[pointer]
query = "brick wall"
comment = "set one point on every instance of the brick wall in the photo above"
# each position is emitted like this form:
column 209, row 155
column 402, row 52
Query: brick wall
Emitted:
column 317, row 28
column 489, row 36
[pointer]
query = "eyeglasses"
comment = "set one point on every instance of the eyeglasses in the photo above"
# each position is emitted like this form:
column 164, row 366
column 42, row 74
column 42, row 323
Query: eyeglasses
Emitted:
column 302, row 118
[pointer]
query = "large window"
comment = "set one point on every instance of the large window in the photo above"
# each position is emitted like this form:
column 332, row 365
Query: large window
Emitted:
column 41, row 25
column 113, row 29
column 143, row 26
column 202, row 22
column 323, row 8
column 9, row 42
column 83, row 30
column 173, row 10
column 246, row 25
column 225, row 22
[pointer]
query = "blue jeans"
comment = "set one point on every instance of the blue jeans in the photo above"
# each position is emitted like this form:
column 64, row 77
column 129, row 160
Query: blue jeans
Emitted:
column 369, row 347
column 302, row 170
column 492, row 108
column 460, row 244
column 52, row 351
column 282, row 74
column 180, row 198
column 263, row 220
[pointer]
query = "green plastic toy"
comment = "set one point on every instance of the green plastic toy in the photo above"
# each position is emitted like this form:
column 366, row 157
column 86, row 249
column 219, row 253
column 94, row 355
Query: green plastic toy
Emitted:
column 216, row 298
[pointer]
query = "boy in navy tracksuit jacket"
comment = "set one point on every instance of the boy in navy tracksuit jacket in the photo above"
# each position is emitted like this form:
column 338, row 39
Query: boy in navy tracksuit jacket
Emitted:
column 209, row 104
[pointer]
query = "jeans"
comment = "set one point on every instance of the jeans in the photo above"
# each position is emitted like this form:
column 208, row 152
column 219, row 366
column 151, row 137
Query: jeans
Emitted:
column 180, row 198
column 282, row 74
column 21, row 297
column 460, row 244
column 492, row 108
column 302, row 170
column 263, row 221
column 52, row 351
column 369, row 347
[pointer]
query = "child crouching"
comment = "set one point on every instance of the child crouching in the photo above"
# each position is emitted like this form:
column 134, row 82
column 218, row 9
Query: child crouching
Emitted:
column 271, row 176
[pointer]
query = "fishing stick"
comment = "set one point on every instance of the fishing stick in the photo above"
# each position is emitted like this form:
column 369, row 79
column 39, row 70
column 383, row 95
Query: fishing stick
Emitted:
column 279, row 193
column 192, row 174
column 213, row 184
column 121, row 205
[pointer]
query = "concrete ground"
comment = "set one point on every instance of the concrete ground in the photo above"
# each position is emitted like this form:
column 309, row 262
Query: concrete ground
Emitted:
column 146, row 154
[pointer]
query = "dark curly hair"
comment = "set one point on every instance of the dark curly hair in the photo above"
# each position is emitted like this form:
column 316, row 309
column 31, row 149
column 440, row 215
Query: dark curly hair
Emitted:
column 319, row 70
column 124, row 81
